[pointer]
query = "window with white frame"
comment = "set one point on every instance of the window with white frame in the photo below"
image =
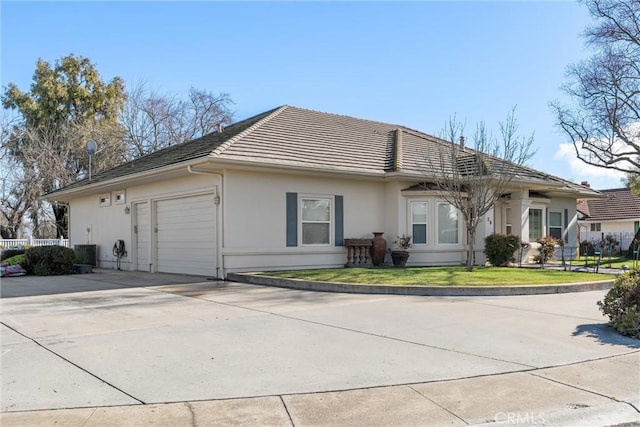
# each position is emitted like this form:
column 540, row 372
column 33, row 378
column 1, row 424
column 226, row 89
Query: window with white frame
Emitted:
column 555, row 224
column 447, row 224
column 419, row 222
column 508, row 226
column 535, row 224
column 596, row 226
column 315, row 220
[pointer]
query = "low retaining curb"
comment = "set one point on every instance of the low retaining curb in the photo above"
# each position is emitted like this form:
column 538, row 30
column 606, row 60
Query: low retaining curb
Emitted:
column 265, row 280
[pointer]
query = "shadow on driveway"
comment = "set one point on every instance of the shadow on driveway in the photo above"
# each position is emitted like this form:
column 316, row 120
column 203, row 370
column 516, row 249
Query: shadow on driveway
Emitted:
column 100, row 280
column 605, row 334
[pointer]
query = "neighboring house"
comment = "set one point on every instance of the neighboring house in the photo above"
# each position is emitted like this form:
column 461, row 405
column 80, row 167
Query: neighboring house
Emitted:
column 283, row 189
column 617, row 214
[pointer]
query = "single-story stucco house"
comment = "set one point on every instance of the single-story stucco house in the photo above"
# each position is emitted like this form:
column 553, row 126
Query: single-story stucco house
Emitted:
column 284, row 189
column 617, row 214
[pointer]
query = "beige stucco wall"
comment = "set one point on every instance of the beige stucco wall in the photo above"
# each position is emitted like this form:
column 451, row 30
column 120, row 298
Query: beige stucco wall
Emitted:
column 91, row 223
column 251, row 219
column 254, row 206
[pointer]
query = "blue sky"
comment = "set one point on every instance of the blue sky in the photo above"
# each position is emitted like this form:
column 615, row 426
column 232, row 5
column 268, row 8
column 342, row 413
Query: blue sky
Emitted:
column 409, row 63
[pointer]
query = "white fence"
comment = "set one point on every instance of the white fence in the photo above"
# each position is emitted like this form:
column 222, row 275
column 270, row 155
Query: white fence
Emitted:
column 625, row 239
column 20, row 243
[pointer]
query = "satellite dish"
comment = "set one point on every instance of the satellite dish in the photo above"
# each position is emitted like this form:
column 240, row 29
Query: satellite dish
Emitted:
column 92, row 147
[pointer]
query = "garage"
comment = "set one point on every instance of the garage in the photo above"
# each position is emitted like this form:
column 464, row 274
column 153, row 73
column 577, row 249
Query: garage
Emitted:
column 141, row 232
column 186, row 235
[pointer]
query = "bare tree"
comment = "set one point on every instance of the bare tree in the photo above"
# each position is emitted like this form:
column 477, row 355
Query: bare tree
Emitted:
column 603, row 121
column 17, row 189
column 472, row 180
column 40, row 163
column 154, row 121
column 20, row 193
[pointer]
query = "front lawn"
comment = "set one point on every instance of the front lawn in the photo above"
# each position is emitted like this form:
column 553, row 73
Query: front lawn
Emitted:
column 591, row 261
column 441, row 276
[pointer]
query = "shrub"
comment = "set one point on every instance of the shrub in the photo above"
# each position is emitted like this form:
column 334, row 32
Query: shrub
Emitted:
column 16, row 260
column 622, row 304
column 10, row 253
column 546, row 250
column 611, row 243
column 587, row 248
column 50, row 260
column 499, row 248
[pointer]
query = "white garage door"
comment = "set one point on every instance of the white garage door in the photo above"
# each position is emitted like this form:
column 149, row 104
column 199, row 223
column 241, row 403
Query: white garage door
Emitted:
column 185, row 236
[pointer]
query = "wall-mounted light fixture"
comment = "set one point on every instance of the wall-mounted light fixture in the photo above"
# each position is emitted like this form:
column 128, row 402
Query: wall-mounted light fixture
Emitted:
column 127, row 210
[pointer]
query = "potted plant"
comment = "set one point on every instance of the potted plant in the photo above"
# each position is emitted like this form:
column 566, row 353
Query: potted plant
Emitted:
column 400, row 255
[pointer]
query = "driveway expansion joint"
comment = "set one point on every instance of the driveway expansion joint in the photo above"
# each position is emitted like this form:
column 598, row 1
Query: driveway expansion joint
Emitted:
column 584, row 389
column 36, row 342
column 439, row 406
column 284, row 405
column 329, row 326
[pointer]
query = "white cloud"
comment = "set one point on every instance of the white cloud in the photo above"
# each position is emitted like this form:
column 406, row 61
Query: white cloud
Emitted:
column 599, row 178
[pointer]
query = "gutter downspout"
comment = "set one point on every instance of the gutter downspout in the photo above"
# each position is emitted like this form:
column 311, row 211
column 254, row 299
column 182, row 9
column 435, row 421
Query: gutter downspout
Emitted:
column 219, row 231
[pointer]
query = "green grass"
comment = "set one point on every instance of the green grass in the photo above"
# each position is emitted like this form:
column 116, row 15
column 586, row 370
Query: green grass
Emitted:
column 441, row 276
column 616, row 262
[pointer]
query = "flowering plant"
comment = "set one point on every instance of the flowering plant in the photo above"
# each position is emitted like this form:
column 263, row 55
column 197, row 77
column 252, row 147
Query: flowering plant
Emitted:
column 403, row 242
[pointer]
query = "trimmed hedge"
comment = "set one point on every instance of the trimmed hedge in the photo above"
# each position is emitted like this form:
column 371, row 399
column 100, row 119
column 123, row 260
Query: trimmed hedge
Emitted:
column 499, row 248
column 622, row 304
column 49, row 260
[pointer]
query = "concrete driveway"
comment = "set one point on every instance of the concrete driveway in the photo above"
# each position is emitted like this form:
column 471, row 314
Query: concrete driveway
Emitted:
column 118, row 338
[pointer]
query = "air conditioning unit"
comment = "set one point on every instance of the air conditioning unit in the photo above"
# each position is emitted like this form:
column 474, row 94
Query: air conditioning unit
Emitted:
column 91, row 251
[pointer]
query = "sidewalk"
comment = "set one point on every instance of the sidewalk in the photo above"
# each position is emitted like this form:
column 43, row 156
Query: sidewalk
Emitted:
column 598, row 393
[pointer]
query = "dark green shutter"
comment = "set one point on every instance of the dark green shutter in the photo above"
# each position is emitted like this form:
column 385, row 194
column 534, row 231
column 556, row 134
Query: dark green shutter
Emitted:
column 339, row 227
column 292, row 219
column 565, row 236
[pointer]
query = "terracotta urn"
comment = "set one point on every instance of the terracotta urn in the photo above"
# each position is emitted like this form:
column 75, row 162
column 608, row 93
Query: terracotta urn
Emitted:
column 378, row 248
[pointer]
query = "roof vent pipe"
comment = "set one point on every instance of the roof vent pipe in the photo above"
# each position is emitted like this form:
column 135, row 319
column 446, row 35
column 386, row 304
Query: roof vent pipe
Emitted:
column 220, row 128
column 462, row 142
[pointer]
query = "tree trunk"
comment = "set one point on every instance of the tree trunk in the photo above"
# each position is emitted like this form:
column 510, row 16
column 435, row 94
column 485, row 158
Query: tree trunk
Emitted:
column 60, row 213
column 7, row 233
column 471, row 236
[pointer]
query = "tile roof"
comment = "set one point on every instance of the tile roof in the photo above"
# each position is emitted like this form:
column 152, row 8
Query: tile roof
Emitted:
column 619, row 203
column 291, row 137
column 304, row 138
column 190, row 150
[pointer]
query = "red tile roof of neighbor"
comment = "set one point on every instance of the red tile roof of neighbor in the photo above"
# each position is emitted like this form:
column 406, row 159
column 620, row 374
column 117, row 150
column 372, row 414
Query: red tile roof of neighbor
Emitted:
column 619, row 203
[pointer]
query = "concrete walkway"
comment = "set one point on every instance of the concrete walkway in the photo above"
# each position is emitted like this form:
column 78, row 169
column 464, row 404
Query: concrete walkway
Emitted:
column 116, row 348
